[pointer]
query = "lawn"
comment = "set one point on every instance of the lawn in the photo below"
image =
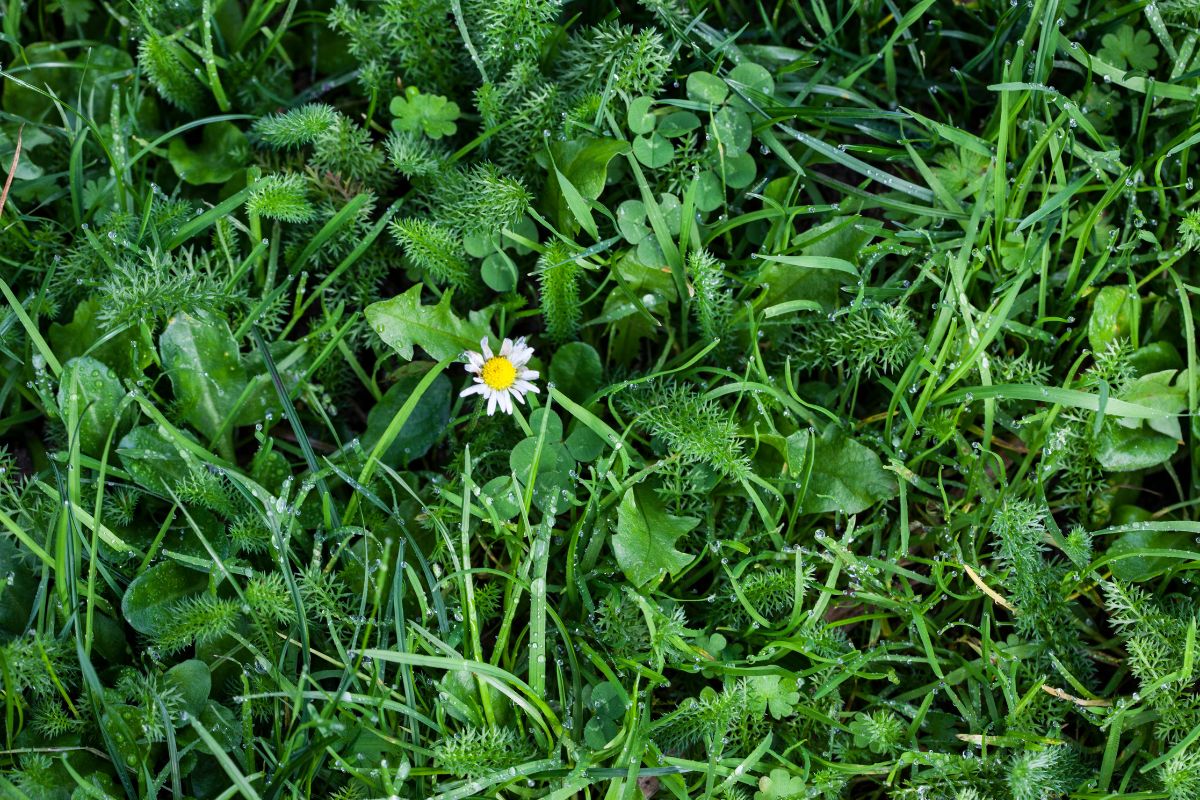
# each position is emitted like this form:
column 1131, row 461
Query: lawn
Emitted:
column 687, row 399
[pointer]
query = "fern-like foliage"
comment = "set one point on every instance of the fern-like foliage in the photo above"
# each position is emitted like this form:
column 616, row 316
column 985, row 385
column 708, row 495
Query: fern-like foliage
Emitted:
column 157, row 286
column 616, row 57
column 414, row 38
column 300, row 126
column 414, row 155
column 170, row 71
column 281, row 197
column 713, row 300
column 875, row 339
column 697, row 429
column 477, row 751
column 509, row 29
column 480, row 199
column 1156, row 644
column 1048, row 772
column 558, row 274
column 346, row 149
column 196, row 620
column 1034, row 583
column 433, row 249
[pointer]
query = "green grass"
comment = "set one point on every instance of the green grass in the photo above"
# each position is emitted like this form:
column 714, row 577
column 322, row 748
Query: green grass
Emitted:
column 864, row 461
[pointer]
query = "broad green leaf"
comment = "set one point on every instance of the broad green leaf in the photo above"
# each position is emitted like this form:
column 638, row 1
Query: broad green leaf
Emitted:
column 678, row 123
column 154, row 462
column 576, row 370
column 26, row 103
column 193, row 680
column 1157, row 391
column 430, row 114
column 403, row 323
column 499, row 272
column 1155, row 357
column 97, row 394
column 202, row 359
column 733, row 130
column 738, row 169
column 641, row 119
column 424, row 425
column 1142, row 567
column 753, row 76
column 653, row 150
column 841, row 238
column 779, row 694
column 631, row 221
column 577, row 205
column 1111, row 313
column 149, row 598
column 128, row 352
column 554, row 456
column 846, row 476
column 704, row 87
column 644, row 543
column 581, row 171
column 222, row 152
column 1120, row 449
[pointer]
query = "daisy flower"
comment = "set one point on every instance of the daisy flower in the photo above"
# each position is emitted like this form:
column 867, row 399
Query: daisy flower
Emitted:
column 503, row 376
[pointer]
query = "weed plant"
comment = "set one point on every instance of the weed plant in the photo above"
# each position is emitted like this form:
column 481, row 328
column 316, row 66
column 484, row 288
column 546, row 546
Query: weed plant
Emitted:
column 863, row 460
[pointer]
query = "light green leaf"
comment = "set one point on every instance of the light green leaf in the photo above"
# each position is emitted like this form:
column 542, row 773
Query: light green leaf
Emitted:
column 1119, row 449
column 846, row 476
column 202, row 359
column 430, row 114
column 1111, row 313
column 705, row 87
column 97, row 394
column 403, row 323
column 148, row 601
column 646, row 535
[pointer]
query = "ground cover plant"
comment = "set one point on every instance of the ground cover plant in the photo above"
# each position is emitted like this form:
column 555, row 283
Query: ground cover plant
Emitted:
column 532, row 398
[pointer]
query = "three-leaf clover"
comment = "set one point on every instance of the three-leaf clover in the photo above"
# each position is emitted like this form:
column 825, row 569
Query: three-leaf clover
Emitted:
column 1130, row 49
column 430, row 113
column 781, row 785
column 778, row 693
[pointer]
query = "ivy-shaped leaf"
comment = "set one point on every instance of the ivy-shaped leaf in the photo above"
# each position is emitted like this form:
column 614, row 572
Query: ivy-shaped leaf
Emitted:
column 403, row 323
column 431, row 114
column 646, row 534
column 1129, row 48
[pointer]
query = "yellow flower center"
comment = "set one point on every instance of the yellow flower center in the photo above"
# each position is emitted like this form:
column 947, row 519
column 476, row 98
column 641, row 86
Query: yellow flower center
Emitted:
column 499, row 373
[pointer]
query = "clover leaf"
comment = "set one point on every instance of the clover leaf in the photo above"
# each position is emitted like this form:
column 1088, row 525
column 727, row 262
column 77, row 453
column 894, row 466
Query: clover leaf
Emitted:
column 1130, row 49
column 429, row 113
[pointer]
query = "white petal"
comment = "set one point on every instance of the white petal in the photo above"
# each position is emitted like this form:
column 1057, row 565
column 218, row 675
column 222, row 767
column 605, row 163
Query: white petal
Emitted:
column 492, row 404
column 474, row 360
column 506, row 403
column 523, row 386
column 478, row 388
column 533, row 389
column 485, row 348
column 506, row 348
column 520, row 358
column 529, row 375
column 519, row 396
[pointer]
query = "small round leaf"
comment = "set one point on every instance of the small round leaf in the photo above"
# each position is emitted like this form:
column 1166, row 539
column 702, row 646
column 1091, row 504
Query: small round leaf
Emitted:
column 705, row 87
column 641, row 120
column 499, row 272
column 653, row 151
